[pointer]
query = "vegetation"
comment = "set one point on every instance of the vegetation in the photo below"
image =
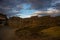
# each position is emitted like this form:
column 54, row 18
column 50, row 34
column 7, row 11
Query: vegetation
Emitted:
column 34, row 28
column 45, row 21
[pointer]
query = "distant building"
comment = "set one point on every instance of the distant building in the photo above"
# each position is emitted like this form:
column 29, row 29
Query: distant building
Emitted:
column 3, row 19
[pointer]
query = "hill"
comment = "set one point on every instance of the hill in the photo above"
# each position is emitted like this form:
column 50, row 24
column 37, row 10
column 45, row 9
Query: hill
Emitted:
column 45, row 21
column 34, row 28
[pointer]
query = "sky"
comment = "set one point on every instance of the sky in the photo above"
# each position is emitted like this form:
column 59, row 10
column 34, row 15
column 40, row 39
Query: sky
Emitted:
column 28, row 8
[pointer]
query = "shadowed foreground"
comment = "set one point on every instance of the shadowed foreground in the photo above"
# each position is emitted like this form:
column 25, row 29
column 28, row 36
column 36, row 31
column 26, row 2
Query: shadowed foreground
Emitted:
column 7, row 33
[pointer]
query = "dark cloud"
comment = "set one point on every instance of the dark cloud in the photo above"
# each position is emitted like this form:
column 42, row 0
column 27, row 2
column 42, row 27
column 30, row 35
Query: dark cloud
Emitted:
column 40, row 4
column 7, row 6
column 36, row 4
column 0, row 1
column 11, row 14
column 57, row 6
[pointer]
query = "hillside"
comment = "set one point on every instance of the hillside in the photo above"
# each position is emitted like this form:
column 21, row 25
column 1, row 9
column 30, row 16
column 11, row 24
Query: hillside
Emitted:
column 38, row 28
column 45, row 21
column 34, row 28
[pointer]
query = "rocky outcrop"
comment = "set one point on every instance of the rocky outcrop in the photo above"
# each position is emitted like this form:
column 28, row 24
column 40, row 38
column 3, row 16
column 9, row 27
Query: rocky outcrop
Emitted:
column 3, row 19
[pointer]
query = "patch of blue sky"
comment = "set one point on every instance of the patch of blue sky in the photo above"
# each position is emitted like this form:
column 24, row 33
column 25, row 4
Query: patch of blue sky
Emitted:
column 26, row 6
column 26, row 11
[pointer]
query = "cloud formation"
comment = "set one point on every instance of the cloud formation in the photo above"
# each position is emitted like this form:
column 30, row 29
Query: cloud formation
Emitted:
column 50, row 11
column 13, row 7
column 40, row 4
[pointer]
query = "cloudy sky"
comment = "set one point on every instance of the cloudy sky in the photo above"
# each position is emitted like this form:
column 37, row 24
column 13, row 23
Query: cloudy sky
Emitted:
column 27, row 8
